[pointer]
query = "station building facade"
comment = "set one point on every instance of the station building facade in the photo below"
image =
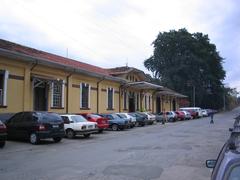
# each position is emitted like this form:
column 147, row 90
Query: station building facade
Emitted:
column 33, row 80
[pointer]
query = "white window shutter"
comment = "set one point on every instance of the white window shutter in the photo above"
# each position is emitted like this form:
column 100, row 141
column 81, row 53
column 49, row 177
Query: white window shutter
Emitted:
column 63, row 95
column 5, row 88
column 89, row 96
column 80, row 95
column 113, row 98
column 52, row 84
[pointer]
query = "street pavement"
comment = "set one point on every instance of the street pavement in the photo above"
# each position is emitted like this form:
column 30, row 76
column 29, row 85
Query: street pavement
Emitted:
column 174, row 151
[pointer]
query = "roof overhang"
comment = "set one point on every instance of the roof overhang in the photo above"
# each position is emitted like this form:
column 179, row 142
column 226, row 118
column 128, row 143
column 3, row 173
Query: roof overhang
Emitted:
column 169, row 92
column 143, row 85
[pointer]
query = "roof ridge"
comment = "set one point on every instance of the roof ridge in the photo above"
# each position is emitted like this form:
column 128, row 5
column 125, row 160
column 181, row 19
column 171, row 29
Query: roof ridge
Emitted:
column 12, row 46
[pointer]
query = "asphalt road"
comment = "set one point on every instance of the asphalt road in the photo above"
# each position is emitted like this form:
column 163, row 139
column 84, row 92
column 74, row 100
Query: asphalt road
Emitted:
column 175, row 151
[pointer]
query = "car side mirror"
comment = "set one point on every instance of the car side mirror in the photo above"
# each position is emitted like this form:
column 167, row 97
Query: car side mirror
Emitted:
column 211, row 163
column 231, row 129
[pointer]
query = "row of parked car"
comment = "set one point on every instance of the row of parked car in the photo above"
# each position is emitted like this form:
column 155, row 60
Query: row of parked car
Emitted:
column 34, row 126
column 227, row 165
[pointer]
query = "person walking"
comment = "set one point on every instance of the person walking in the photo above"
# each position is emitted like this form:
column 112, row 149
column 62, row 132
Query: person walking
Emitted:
column 164, row 117
column 211, row 115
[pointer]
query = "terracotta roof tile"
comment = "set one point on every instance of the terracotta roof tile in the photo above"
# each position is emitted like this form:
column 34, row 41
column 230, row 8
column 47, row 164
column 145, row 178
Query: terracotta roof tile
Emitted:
column 51, row 57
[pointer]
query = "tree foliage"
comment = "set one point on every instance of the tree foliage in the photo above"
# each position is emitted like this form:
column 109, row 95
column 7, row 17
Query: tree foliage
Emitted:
column 182, row 60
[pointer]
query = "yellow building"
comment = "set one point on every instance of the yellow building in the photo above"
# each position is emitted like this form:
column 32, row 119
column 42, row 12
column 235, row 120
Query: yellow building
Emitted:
column 35, row 80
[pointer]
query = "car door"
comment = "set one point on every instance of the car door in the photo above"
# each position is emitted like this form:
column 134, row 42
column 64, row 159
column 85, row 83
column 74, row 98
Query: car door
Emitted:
column 27, row 124
column 13, row 126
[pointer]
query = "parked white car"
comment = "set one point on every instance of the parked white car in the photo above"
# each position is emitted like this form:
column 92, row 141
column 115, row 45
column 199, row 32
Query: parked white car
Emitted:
column 127, row 116
column 151, row 118
column 196, row 109
column 187, row 115
column 78, row 125
column 204, row 113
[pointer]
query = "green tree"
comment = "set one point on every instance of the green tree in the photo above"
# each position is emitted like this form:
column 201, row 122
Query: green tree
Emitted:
column 182, row 60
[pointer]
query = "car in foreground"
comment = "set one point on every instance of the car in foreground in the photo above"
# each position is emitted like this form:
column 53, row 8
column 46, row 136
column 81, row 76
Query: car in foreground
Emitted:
column 140, row 120
column 3, row 134
column 34, row 126
column 102, row 122
column 227, row 165
column 115, row 122
column 78, row 125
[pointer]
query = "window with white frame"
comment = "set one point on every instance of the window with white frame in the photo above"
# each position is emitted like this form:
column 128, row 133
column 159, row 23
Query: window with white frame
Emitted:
column 3, row 87
column 85, row 90
column 57, row 94
column 110, row 98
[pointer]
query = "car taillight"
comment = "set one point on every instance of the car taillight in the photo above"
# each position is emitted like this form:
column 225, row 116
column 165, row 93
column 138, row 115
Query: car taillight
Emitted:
column 41, row 127
column 84, row 127
column 2, row 127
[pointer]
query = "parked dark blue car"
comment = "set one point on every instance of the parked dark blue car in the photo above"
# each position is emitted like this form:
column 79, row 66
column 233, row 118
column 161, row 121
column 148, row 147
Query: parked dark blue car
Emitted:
column 115, row 122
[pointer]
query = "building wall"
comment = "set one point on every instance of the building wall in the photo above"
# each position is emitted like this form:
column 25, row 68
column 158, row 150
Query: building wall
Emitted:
column 20, row 94
column 15, row 85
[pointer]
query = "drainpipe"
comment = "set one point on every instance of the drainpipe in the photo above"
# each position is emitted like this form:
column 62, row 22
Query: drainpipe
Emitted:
column 67, row 93
column 103, row 78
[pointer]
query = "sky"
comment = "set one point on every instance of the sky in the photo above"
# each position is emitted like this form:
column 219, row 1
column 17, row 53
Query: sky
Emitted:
column 111, row 33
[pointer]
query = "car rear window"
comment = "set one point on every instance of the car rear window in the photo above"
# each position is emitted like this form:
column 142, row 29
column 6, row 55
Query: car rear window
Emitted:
column 94, row 116
column 78, row 118
column 48, row 117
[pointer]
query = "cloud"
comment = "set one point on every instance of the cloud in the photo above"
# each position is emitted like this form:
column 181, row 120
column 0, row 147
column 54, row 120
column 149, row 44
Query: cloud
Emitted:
column 111, row 33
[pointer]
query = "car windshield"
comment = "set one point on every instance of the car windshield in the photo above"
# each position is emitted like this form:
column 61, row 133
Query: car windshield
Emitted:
column 78, row 119
column 48, row 117
column 122, row 115
column 114, row 116
column 133, row 115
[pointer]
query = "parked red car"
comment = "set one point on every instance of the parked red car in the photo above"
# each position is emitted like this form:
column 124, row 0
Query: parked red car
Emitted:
column 193, row 113
column 180, row 115
column 102, row 122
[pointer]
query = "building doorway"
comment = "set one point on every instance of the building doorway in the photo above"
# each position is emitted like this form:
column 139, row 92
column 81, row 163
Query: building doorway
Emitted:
column 174, row 104
column 158, row 105
column 40, row 90
column 131, row 102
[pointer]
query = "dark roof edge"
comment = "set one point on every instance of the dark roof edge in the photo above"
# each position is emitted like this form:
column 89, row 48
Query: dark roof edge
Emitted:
column 42, row 61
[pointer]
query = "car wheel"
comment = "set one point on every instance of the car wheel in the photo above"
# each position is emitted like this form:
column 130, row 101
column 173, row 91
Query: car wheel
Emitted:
column 33, row 138
column 57, row 139
column 114, row 127
column 100, row 130
column 86, row 135
column 2, row 144
column 70, row 134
